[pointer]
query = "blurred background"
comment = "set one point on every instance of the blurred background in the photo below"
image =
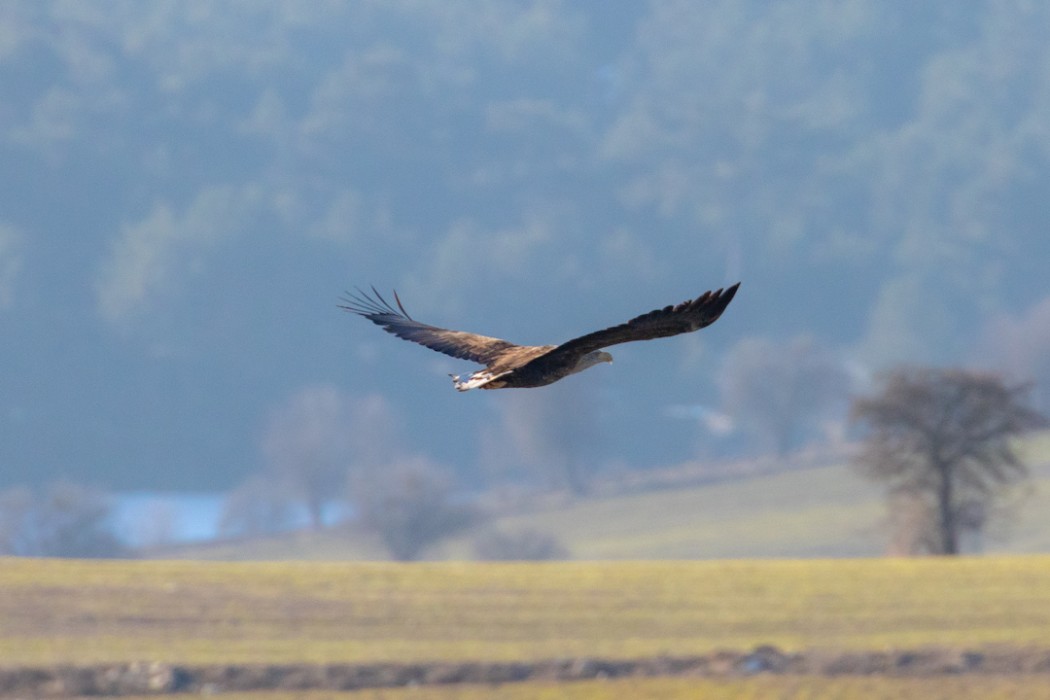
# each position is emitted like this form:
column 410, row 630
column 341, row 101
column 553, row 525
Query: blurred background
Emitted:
column 189, row 187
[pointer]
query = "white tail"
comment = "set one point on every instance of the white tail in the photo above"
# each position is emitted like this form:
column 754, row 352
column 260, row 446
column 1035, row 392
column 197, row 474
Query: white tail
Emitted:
column 479, row 378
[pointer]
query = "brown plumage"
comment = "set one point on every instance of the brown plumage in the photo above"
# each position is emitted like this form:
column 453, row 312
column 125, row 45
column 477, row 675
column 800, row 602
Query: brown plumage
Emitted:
column 520, row 366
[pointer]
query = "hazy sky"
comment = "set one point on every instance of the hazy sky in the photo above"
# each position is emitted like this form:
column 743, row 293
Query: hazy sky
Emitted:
column 189, row 186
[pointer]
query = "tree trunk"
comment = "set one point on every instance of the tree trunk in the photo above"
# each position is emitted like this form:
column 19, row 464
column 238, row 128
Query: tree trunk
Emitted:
column 947, row 523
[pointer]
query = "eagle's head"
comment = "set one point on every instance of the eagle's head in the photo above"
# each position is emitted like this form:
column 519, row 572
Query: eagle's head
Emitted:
column 591, row 359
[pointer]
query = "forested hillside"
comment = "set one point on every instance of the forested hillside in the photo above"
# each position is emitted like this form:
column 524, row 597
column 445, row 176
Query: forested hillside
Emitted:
column 187, row 189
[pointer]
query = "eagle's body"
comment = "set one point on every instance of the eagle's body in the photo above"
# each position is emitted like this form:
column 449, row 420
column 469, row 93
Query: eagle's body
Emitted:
column 510, row 366
column 528, row 369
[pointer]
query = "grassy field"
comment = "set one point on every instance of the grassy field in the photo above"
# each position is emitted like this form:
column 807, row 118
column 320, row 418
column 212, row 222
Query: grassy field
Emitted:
column 818, row 512
column 206, row 613
column 825, row 511
column 810, row 513
column 821, row 512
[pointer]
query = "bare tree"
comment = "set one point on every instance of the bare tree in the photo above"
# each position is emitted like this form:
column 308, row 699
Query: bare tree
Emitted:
column 550, row 433
column 411, row 507
column 66, row 520
column 307, row 447
column 913, row 524
column 259, row 506
column 780, row 391
column 940, row 440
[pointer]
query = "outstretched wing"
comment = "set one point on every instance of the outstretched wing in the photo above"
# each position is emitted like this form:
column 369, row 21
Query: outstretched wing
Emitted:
column 671, row 320
column 465, row 346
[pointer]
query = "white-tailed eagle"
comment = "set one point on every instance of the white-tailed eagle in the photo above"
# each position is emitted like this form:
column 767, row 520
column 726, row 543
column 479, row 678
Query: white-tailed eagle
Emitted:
column 510, row 366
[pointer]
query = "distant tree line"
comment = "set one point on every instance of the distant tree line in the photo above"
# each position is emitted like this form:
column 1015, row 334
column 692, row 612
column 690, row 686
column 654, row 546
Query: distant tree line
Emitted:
column 941, row 440
column 62, row 520
column 322, row 448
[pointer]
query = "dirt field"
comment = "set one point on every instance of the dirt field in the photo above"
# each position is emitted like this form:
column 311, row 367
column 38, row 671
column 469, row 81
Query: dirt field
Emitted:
column 159, row 678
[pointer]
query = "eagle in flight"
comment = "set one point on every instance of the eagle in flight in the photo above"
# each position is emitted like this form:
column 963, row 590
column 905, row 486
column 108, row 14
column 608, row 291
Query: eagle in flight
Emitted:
column 510, row 366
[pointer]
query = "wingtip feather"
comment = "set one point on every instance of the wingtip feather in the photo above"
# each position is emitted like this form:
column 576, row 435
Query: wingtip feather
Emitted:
column 370, row 305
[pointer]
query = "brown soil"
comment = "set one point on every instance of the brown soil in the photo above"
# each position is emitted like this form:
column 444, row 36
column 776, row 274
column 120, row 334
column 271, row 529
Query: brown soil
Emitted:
column 160, row 678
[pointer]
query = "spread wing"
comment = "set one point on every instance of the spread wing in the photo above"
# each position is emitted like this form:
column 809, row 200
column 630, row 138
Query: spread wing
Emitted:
column 671, row 320
column 459, row 344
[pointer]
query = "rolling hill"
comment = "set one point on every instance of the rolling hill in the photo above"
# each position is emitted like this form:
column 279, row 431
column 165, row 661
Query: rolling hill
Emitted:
column 825, row 511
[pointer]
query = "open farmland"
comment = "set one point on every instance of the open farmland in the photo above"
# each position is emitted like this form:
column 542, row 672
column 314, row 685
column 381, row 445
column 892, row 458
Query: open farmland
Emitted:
column 837, row 628
column 206, row 614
